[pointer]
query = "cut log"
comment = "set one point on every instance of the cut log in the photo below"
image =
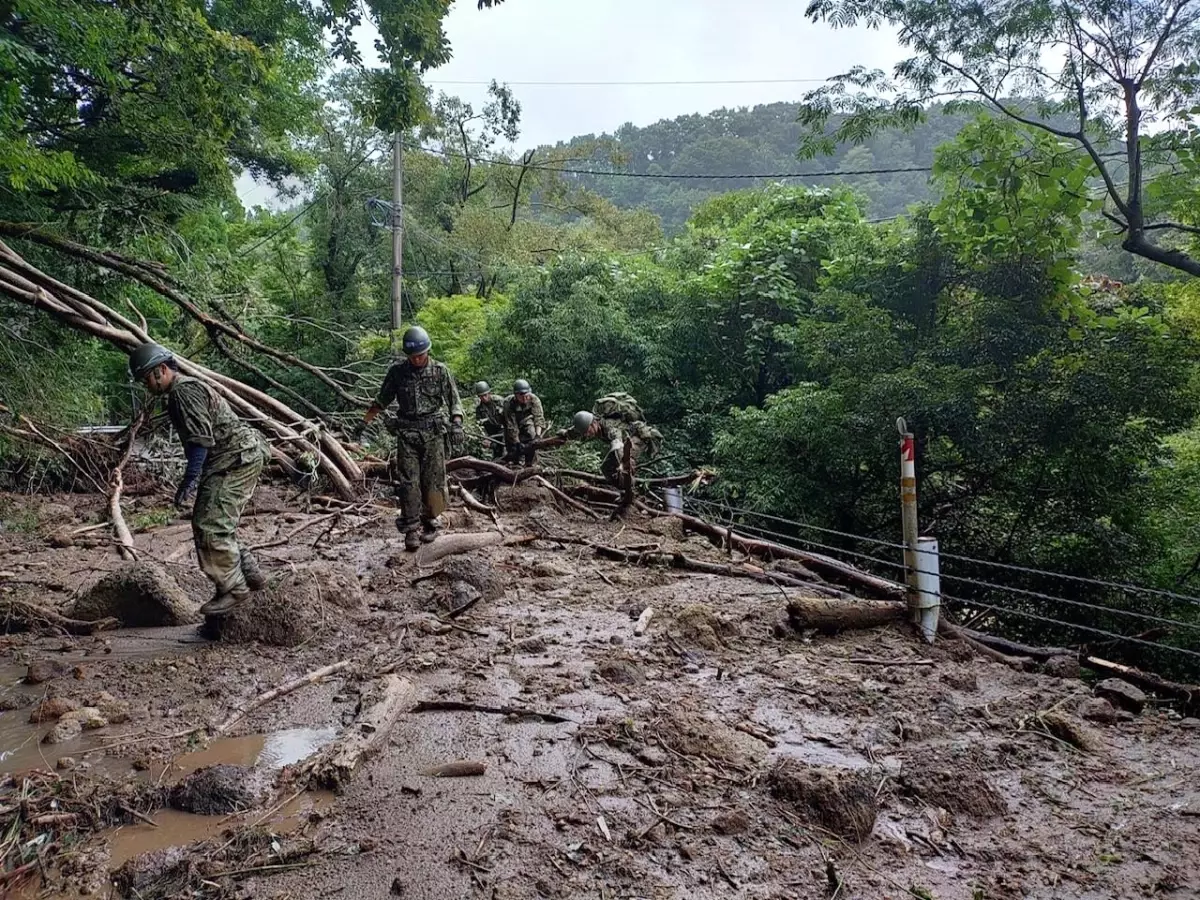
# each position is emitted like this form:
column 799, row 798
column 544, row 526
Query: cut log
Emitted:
column 1187, row 695
column 335, row 767
column 833, row 615
column 456, row 543
column 120, row 529
column 1012, row 648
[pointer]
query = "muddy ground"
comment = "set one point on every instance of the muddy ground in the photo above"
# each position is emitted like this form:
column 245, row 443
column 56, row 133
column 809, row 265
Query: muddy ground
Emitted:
column 709, row 757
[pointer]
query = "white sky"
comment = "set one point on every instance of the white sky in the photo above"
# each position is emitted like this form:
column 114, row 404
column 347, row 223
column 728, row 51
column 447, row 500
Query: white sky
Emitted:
column 637, row 40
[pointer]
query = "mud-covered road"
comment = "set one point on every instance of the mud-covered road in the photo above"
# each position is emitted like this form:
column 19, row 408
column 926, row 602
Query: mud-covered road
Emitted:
column 707, row 757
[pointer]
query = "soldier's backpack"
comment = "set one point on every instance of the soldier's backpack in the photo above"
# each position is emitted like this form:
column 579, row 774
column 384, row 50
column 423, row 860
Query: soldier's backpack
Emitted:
column 619, row 405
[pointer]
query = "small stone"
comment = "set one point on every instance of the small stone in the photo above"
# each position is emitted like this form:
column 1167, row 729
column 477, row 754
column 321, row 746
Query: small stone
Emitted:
column 1189, row 724
column 691, row 669
column 1097, row 709
column 64, row 763
column 616, row 639
column 1062, row 666
column 62, row 539
column 535, row 644
column 397, row 887
column 116, row 711
column 43, row 670
column 79, row 673
column 64, row 730
column 1122, row 694
column 52, row 709
column 733, row 821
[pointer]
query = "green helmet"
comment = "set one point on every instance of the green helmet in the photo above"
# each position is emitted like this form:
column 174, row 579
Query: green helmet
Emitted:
column 148, row 357
column 581, row 422
column 416, row 341
column 521, row 386
column 481, row 388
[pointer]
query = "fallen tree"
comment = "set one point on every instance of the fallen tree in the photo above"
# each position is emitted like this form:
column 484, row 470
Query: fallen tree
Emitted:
column 290, row 433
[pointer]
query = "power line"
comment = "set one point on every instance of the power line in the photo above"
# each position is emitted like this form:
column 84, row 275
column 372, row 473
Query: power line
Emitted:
column 317, row 198
column 1081, row 579
column 639, row 83
column 895, row 170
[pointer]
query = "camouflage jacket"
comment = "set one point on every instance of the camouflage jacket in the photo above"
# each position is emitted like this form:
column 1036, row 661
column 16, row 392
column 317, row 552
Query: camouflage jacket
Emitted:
column 425, row 396
column 202, row 417
column 490, row 416
column 517, row 416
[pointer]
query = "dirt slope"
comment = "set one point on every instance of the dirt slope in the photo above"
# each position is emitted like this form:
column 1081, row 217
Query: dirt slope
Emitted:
column 705, row 758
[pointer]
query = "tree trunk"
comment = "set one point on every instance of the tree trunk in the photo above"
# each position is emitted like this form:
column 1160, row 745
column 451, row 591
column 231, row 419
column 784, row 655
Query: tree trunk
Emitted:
column 833, row 615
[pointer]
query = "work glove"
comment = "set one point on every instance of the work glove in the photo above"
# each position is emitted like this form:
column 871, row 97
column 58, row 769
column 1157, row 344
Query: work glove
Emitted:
column 183, row 494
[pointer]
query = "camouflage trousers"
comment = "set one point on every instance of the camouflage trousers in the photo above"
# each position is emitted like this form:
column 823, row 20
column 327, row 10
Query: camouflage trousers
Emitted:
column 420, row 474
column 220, row 501
column 611, row 466
column 526, row 434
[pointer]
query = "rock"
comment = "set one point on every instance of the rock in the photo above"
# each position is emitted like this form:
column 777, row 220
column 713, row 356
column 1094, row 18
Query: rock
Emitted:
column 64, row 763
column 116, row 711
column 620, row 670
column 1189, row 724
column 9, row 702
column 52, row 709
column 219, row 790
column 140, row 595
column 1122, row 694
column 87, row 716
column 1097, row 709
column 699, row 625
column 64, row 730
column 534, row 644
column 1062, row 666
column 732, row 821
column 42, row 670
column 62, row 539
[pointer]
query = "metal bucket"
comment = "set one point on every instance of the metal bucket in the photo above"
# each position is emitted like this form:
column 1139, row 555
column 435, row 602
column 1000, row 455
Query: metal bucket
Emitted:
column 673, row 497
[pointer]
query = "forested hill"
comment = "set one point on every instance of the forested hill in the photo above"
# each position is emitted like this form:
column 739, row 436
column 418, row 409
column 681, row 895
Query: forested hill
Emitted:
column 760, row 139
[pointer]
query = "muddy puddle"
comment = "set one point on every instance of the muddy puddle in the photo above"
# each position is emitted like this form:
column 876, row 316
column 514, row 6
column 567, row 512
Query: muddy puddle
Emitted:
column 269, row 751
column 174, row 829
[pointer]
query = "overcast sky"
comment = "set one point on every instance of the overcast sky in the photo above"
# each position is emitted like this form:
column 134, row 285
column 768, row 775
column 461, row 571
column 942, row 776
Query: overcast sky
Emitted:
column 765, row 41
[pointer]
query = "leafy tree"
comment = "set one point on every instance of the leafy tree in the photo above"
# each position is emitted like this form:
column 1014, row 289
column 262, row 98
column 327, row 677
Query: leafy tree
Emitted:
column 1117, row 68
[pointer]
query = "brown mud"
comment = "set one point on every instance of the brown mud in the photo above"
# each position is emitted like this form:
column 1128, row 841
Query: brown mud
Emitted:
column 704, row 759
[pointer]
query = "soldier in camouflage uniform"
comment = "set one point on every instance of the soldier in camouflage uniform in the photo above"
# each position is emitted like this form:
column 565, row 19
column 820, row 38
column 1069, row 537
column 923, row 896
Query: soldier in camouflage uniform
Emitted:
column 224, row 460
column 429, row 416
column 524, row 422
column 489, row 413
column 614, row 418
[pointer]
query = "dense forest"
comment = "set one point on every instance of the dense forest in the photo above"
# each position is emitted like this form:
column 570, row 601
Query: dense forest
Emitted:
column 774, row 333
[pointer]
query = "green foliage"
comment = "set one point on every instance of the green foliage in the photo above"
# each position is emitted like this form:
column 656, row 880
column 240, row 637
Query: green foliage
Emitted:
column 455, row 324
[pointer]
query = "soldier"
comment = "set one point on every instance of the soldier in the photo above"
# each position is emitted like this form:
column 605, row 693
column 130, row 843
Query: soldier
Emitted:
column 489, row 413
column 428, row 412
column 524, row 422
column 614, row 418
column 224, row 459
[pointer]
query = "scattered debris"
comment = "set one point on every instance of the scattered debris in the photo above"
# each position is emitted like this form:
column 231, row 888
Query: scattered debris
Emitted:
column 460, row 769
column 1122, row 694
column 221, row 789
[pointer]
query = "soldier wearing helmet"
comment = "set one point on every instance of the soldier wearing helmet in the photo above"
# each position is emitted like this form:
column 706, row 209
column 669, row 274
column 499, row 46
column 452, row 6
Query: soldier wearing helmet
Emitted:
column 489, row 413
column 429, row 415
column 524, row 423
column 616, row 418
column 224, row 460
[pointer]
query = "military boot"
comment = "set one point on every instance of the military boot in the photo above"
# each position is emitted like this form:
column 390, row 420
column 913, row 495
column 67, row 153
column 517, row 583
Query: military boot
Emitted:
column 429, row 531
column 255, row 579
column 411, row 541
column 224, row 603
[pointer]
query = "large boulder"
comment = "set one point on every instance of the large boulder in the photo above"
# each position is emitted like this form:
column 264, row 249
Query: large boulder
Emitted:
column 139, row 595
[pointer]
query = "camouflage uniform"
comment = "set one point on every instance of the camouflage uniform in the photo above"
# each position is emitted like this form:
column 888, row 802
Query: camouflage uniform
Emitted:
column 236, row 455
column 427, row 399
column 523, row 424
column 614, row 429
column 490, row 416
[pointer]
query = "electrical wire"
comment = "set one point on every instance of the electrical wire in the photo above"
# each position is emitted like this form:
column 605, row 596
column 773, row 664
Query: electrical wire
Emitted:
column 1082, row 579
column 945, row 576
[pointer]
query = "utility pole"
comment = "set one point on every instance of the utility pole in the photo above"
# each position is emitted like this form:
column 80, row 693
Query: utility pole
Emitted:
column 397, row 231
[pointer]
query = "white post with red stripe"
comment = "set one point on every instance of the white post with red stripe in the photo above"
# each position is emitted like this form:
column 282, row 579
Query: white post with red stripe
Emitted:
column 908, row 515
